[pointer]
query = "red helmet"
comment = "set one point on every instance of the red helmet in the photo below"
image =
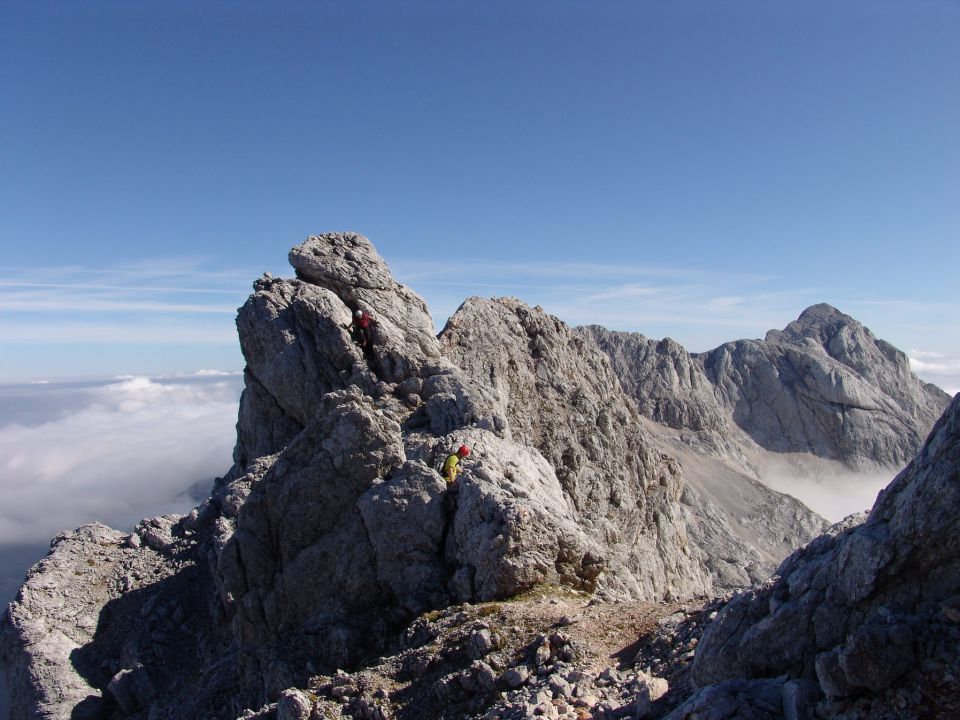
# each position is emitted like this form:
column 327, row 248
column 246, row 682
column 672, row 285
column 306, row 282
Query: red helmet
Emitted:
column 463, row 451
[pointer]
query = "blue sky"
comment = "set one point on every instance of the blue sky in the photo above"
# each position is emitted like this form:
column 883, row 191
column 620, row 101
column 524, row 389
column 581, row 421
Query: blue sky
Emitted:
column 698, row 170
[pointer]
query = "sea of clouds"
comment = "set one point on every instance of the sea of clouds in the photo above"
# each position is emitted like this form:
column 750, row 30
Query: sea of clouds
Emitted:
column 114, row 452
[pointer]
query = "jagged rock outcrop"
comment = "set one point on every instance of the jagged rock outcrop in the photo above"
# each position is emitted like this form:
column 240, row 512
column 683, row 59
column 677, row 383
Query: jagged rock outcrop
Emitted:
column 667, row 383
column 38, row 629
column 348, row 264
column 742, row 527
column 867, row 609
column 113, row 624
column 559, row 394
column 535, row 506
column 344, row 536
column 295, row 341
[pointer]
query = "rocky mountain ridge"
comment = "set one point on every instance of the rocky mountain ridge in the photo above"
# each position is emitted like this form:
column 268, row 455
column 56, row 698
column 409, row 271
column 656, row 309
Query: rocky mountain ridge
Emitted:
column 333, row 530
column 824, row 385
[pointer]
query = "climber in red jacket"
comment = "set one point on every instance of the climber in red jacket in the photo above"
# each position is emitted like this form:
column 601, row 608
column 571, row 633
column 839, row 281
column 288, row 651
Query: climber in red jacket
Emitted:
column 360, row 328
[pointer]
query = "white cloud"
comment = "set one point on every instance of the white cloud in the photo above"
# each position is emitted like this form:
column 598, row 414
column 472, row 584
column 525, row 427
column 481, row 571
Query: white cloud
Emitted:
column 726, row 302
column 631, row 291
column 121, row 452
column 157, row 286
column 931, row 363
column 701, row 309
column 834, row 497
column 431, row 272
column 939, row 368
column 826, row 487
column 923, row 355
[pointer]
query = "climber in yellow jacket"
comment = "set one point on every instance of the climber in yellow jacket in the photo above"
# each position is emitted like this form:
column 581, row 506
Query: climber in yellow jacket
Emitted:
column 451, row 466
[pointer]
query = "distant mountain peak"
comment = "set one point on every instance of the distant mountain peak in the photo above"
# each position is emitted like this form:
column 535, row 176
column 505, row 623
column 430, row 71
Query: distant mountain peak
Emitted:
column 818, row 322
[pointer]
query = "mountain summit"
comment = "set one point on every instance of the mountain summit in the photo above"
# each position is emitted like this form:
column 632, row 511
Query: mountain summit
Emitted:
column 824, row 385
column 604, row 467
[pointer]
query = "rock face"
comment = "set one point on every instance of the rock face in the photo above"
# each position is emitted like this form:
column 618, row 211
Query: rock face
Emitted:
column 668, row 384
column 35, row 629
column 823, row 385
column 868, row 607
column 742, row 527
column 294, row 337
column 562, row 488
column 827, row 386
column 560, row 395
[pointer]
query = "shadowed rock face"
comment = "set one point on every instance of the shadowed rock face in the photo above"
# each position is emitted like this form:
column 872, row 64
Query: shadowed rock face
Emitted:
column 865, row 607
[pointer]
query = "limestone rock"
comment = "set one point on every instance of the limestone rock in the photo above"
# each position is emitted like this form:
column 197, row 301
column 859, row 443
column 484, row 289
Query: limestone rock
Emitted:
column 297, row 349
column 293, row 705
column 348, row 264
column 559, row 395
column 827, row 386
column 343, row 502
column 667, row 383
column 511, row 527
column 55, row 613
column 755, row 699
column 101, row 624
column 744, row 528
column 132, row 690
column 405, row 517
column 294, row 337
column 299, row 558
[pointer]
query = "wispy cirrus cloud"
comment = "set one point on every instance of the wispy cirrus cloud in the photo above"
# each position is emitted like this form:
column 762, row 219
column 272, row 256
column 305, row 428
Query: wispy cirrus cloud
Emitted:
column 699, row 308
column 134, row 331
column 81, row 303
column 433, row 272
column 121, row 288
column 149, row 271
column 162, row 286
column 156, row 316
